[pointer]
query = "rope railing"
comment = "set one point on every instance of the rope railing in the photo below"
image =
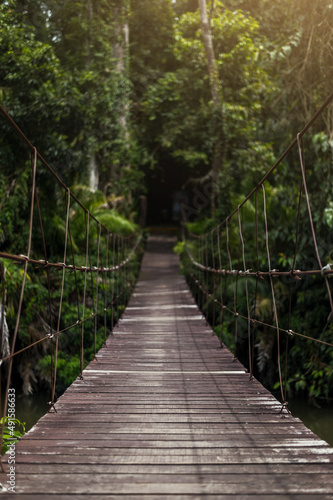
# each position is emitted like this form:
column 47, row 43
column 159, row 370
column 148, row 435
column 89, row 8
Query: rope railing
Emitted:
column 95, row 272
column 232, row 264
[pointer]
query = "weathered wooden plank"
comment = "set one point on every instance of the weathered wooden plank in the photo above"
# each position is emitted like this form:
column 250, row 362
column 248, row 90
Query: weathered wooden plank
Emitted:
column 92, row 418
column 236, row 441
column 140, row 496
column 179, row 434
column 179, row 484
column 167, row 469
column 152, row 457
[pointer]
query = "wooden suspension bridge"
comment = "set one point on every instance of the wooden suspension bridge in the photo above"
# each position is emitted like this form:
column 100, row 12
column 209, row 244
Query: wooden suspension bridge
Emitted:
column 164, row 413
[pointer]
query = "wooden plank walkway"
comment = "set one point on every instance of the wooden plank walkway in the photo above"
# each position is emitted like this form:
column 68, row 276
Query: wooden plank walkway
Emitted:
column 164, row 413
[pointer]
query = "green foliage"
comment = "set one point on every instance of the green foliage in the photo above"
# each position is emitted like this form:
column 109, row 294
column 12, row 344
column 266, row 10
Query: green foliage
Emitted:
column 85, row 98
column 309, row 364
column 68, row 368
column 200, row 226
column 60, row 81
column 177, row 115
column 39, row 312
column 115, row 222
column 38, row 91
column 225, row 334
column 179, row 249
column 11, row 432
column 14, row 210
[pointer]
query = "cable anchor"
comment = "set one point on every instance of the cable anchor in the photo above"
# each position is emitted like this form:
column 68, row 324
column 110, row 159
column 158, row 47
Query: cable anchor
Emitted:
column 52, row 407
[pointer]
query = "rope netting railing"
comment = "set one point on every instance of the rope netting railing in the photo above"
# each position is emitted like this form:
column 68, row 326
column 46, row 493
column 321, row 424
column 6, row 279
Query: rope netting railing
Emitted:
column 83, row 286
column 237, row 279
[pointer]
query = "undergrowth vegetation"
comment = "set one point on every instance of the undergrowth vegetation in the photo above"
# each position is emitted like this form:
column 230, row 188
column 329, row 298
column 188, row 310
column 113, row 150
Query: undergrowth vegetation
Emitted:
column 302, row 303
column 83, row 294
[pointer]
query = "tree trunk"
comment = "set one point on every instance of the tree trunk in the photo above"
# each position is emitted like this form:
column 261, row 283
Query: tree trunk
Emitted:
column 120, row 52
column 89, row 17
column 216, row 91
column 121, row 55
column 93, row 169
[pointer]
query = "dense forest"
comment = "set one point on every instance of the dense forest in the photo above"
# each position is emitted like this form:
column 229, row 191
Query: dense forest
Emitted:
column 174, row 99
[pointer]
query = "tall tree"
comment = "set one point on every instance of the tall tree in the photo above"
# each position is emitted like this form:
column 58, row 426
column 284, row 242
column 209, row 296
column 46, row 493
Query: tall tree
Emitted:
column 121, row 56
column 216, row 91
column 91, row 38
column 178, row 119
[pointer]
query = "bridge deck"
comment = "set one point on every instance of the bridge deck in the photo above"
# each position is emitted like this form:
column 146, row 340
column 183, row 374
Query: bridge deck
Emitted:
column 164, row 413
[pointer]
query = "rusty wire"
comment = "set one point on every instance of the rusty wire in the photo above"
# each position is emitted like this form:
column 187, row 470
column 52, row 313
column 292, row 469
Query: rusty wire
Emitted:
column 254, row 321
column 49, row 168
column 123, row 259
column 234, row 271
column 19, row 309
column 319, row 112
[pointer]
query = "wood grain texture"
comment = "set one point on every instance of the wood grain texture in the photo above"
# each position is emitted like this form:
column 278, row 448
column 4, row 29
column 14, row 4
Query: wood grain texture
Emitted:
column 165, row 413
